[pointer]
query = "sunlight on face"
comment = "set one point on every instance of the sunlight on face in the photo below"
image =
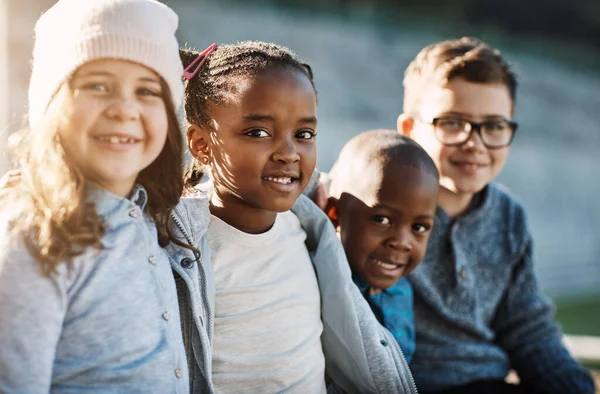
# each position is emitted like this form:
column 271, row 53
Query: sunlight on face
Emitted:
column 263, row 147
column 117, row 124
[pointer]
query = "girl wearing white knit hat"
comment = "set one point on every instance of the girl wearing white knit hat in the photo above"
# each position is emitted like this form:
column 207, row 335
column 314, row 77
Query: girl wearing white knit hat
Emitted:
column 87, row 297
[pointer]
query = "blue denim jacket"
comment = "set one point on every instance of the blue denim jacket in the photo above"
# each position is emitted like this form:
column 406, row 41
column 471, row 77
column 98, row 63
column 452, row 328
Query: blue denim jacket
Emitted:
column 107, row 323
column 360, row 355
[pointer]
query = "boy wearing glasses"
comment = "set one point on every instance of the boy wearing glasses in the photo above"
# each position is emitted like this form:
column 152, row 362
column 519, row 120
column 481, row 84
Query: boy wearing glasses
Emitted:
column 477, row 305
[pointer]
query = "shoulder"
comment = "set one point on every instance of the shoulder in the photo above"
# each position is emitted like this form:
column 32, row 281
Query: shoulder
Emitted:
column 304, row 206
column 193, row 213
column 18, row 261
column 508, row 214
column 505, row 203
column 314, row 221
column 502, row 197
column 11, row 242
column 19, row 268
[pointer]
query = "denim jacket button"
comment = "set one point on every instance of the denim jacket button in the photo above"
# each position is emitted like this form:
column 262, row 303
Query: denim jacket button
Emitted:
column 152, row 260
column 166, row 316
column 187, row 263
column 134, row 213
column 179, row 372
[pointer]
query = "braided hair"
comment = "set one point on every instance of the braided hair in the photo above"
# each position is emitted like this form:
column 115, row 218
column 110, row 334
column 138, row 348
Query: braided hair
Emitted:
column 216, row 81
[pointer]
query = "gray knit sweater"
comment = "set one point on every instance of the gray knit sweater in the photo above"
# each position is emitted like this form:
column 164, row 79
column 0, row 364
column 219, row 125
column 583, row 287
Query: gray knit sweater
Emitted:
column 478, row 308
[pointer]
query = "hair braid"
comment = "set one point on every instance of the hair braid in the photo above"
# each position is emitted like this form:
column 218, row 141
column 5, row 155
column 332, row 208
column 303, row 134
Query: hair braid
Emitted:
column 216, row 81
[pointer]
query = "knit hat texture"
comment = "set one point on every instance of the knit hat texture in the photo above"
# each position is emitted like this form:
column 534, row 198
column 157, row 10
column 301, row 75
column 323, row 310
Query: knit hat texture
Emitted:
column 74, row 32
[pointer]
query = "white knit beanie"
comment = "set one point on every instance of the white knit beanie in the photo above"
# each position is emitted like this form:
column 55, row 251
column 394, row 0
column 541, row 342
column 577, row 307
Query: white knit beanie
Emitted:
column 74, row 32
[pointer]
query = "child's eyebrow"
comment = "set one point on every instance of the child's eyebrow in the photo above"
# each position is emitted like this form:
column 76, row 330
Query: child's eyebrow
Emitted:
column 95, row 74
column 100, row 73
column 310, row 119
column 468, row 116
column 149, row 79
column 454, row 113
column 259, row 118
column 383, row 206
column 419, row 217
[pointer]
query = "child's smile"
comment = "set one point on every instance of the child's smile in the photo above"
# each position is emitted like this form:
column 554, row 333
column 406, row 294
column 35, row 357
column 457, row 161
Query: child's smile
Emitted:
column 284, row 182
column 261, row 148
column 118, row 120
column 465, row 169
column 388, row 267
column 117, row 141
column 385, row 223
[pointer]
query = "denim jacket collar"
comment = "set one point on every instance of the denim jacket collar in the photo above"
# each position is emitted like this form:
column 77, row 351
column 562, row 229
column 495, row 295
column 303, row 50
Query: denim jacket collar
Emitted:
column 108, row 203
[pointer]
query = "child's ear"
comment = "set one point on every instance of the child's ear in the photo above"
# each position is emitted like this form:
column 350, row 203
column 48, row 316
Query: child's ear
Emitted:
column 197, row 138
column 332, row 211
column 405, row 125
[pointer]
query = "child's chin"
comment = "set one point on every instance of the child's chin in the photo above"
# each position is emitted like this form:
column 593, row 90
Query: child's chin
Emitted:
column 281, row 206
column 382, row 284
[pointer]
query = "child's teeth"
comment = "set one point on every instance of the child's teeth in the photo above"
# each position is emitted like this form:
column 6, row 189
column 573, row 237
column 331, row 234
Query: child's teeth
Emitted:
column 385, row 265
column 113, row 139
column 282, row 180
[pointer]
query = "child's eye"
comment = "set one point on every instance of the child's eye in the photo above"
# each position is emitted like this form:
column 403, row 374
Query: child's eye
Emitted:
column 147, row 92
column 306, row 134
column 95, row 86
column 496, row 126
column 257, row 133
column 381, row 219
column 421, row 228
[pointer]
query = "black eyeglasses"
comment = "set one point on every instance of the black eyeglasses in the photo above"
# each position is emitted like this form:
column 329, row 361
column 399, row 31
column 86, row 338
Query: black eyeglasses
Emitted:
column 454, row 131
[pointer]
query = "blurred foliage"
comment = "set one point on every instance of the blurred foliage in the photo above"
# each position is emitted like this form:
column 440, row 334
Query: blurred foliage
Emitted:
column 581, row 317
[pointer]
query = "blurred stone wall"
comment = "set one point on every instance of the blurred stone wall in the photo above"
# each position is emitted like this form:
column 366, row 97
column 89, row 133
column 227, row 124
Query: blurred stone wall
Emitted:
column 554, row 166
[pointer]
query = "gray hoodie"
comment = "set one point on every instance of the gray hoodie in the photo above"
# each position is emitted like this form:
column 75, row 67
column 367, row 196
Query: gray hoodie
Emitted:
column 361, row 356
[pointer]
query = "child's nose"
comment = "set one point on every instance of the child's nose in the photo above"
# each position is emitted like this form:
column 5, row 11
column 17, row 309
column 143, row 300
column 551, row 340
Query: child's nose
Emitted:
column 123, row 108
column 286, row 152
column 474, row 142
column 400, row 241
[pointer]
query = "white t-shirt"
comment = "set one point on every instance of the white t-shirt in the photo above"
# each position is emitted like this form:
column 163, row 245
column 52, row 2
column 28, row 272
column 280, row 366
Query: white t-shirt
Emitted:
column 267, row 334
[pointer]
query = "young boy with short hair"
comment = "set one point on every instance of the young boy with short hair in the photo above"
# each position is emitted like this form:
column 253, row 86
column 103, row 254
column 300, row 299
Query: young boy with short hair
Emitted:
column 384, row 219
column 478, row 309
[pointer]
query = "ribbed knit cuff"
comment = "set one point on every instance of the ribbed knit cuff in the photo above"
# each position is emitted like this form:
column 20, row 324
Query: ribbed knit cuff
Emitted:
column 554, row 371
column 571, row 381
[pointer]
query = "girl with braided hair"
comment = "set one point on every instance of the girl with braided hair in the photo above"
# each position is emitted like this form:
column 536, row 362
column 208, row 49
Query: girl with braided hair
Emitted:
column 266, row 298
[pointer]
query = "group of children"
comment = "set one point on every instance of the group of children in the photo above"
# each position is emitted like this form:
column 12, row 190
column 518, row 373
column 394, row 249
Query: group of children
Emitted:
column 121, row 272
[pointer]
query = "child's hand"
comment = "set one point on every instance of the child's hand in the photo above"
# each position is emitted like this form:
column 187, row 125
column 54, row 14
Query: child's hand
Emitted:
column 11, row 178
column 320, row 196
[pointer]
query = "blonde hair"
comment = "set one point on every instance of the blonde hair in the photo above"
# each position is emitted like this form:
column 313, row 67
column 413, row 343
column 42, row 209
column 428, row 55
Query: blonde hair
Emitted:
column 53, row 216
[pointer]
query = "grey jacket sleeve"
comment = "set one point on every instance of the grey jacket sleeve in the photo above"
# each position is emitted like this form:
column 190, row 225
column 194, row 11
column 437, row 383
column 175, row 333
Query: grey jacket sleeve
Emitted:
column 361, row 356
column 32, row 308
column 312, row 184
